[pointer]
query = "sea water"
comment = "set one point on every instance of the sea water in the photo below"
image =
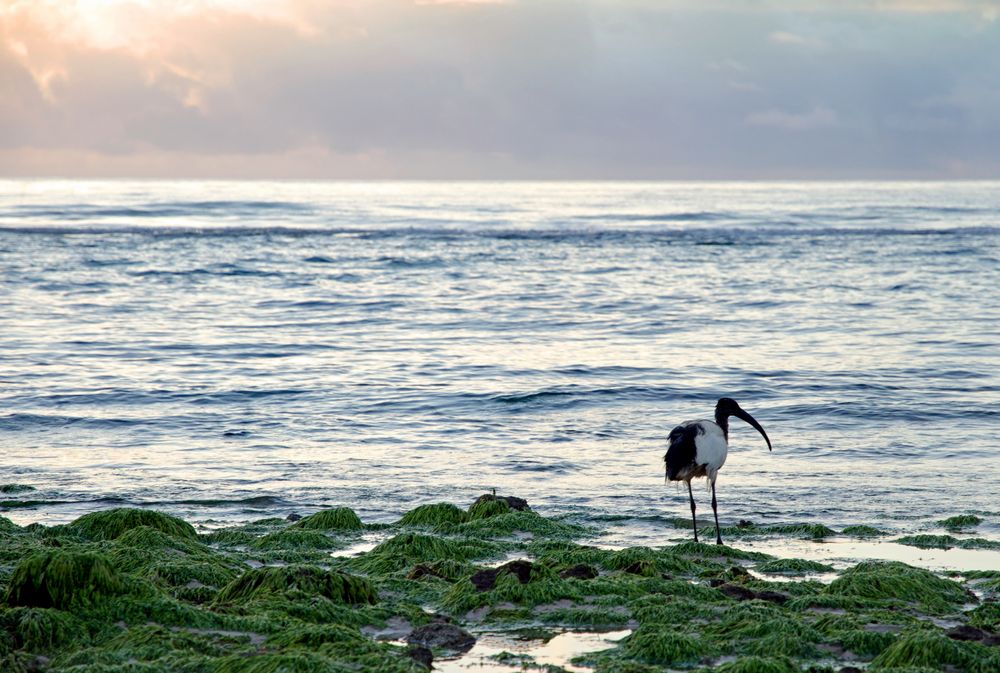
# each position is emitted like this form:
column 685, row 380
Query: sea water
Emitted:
column 233, row 350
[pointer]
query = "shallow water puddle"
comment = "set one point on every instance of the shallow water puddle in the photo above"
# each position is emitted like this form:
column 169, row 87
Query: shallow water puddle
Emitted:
column 840, row 553
column 367, row 542
column 556, row 652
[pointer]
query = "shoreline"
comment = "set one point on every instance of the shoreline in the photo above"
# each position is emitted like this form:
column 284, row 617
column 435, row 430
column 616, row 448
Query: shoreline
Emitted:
column 133, row 589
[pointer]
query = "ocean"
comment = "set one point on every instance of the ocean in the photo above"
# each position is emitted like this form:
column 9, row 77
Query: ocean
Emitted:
column 227, row 351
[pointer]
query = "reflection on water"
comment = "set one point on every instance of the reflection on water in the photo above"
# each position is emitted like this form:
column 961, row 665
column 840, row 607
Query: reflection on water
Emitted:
column 556, row 652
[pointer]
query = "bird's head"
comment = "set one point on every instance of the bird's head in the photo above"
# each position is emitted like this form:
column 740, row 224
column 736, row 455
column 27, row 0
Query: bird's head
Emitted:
column 727, row 406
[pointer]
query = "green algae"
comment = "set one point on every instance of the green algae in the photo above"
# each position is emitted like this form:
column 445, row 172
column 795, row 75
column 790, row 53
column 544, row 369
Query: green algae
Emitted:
column 703, row 550
column 16, row 488
column 338, row 518
column 883, row 580
column 863, row 531
column 511, row 522
column 112, row 523
column 651, row 644
column 866, row 643
column 62, row 579
column 543, row 586
column 42, row 629
column 793, row 566
column 296, row 582
column 434, row 514
column 190, row 603
column 961, row 521
column 922, row 647
column 294, row 539
column 986, row 616
column 756, row 664
column 403, row 551
column 947, row 542
column 484, row 508
column 807, row 530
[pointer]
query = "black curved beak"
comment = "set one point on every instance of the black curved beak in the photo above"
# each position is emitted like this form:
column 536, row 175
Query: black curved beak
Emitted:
column 742, row 415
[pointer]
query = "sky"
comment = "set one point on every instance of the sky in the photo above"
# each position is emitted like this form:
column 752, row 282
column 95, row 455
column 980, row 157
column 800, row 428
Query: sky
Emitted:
column 502, row 89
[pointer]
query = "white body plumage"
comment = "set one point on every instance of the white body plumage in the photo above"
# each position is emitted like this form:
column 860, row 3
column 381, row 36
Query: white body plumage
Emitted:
column 711, row 449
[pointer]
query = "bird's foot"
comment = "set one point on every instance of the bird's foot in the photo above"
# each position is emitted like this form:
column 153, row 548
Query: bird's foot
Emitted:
column 718, row 540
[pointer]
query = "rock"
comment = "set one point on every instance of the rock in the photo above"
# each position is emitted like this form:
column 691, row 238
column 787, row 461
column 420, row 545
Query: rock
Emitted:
column 423, row 570
column 293, row 517
column 422, row 655
column 773, row 597
column 580, row 571
column 442, row 635
column 850, row 669
column 715, row 582
column 519, row 504
column 486, row 579
column 737, row 592
column 640, row 567
column 966, row 632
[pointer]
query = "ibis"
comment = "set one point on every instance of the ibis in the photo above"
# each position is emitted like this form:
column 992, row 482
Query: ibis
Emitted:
column 699, row 449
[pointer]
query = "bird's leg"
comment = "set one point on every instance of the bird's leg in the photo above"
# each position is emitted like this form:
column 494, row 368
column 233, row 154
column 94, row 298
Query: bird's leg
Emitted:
column 694, row 521
column 715, row 510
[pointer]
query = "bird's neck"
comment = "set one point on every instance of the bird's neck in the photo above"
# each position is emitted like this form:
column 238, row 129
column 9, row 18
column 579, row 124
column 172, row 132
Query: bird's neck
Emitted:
column 722, row 420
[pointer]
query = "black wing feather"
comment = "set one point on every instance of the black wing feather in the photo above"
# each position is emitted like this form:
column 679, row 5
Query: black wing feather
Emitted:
column 681, row 452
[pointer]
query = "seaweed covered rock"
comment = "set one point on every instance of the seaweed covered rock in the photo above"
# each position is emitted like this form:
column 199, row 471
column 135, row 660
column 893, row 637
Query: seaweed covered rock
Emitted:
column 408, row 549
column 962, row 521
column 863, row 531
column 520, row 583
column 665, row 646
column 793, row 566
column 887, row 580
column 113, row 523
column 338, row 518
column 486, row 579
column 62, row 579
column 443, row 636
column 42, row 629
column 298, row 582
column 294, row 539
column 434, row 515
column 760, row 665
column 488, row 505
column 580, row 571
column 922, row 647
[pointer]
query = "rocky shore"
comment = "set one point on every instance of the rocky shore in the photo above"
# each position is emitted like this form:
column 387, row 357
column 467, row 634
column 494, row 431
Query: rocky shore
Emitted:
column 138, row 590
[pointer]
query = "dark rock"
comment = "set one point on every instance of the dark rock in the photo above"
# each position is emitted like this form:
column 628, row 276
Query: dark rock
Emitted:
column 716, row 582
column 39, row 663
column 738, row 592
column 486, row 579
column 850, row 669
column 442, row 635
column 641, row 567
column 773, row 597
column 581, row 571
column 519, row 504
column 746, row 524
column 966, row 632
column 423, row 570
column 293, row 517
column 420, row 654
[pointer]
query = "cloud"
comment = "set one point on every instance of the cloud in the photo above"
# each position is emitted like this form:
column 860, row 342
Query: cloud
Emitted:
column 547, row 89
column 784, row 37
column 817, row 118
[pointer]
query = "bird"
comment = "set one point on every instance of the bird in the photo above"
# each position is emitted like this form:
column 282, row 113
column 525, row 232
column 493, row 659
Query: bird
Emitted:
column 699, row 448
